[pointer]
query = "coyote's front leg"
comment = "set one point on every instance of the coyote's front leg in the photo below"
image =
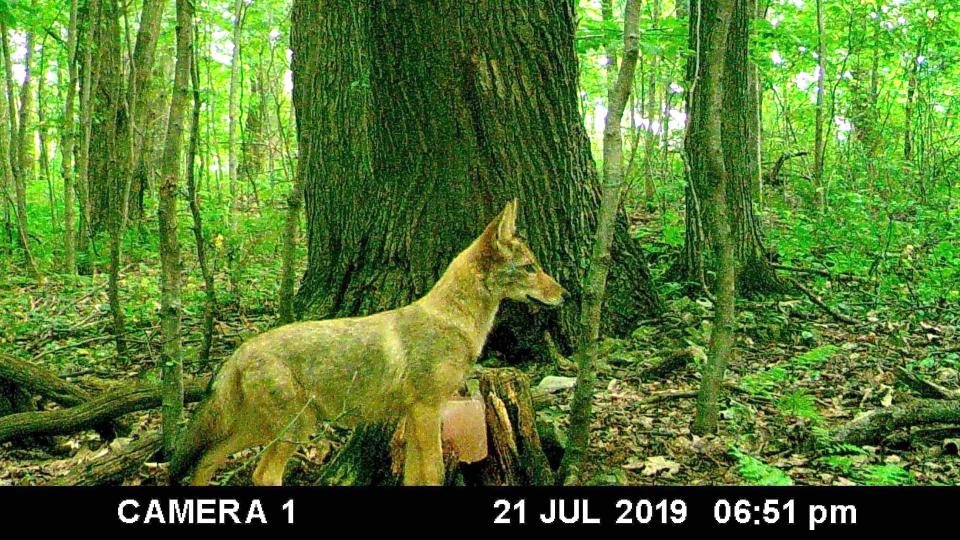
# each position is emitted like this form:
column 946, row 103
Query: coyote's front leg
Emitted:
column 423, row 464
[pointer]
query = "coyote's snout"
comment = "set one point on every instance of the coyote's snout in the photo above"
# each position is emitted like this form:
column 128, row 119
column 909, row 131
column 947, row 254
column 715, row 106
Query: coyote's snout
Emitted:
column 402, row 363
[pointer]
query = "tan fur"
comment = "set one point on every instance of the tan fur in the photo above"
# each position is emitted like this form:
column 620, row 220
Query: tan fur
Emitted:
column 396, row 364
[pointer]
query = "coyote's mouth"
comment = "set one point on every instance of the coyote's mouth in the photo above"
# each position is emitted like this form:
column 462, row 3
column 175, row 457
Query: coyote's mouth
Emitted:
column 539, row 302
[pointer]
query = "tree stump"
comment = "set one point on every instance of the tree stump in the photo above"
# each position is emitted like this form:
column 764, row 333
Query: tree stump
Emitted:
column 374, row 453
column 516, row 457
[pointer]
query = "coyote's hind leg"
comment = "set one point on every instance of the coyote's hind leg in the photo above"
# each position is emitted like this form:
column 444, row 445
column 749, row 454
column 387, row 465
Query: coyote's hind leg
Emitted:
column 273, row 463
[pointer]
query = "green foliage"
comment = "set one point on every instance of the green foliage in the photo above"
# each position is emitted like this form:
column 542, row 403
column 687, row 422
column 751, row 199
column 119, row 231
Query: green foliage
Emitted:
column 815, row 357
column 758, row 473
column 889, row 474
column 801, row 404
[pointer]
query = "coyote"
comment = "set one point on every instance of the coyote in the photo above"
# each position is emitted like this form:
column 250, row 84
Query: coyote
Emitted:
column 395, row 364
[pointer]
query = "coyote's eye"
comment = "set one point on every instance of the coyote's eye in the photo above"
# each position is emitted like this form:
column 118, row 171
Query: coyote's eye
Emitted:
column 529, row 267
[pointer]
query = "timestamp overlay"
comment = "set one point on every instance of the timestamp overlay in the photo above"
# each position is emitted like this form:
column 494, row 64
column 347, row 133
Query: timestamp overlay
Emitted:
column 813, row 511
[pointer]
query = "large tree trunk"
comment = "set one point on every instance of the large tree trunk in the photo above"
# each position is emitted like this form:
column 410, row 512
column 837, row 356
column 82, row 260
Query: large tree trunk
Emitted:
column 740, row 140
column 411, row 139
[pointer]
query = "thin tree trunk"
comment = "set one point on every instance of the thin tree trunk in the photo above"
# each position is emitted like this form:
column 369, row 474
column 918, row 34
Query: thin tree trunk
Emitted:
column 710, row 24
column 141, row 70
column 170, row 303
column 818, row 126
column 233, row 243
column 651, row 113
column 595, row 285
column 19, row 152
column 44, row 159
column 88, row 82
column 210, row 305
column 909, row 106
column 66, row 146
column 291, row 227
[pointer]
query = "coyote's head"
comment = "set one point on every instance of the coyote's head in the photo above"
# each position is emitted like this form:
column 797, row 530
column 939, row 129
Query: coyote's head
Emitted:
column 511, row 269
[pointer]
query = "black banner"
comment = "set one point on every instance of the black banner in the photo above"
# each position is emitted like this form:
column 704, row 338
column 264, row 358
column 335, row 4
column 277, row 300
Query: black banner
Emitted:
column 627, row 510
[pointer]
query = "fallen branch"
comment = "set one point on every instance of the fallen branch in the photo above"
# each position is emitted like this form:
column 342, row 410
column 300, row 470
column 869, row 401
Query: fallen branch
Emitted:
column 772, row 177
column 38, row 380
column 90, row 413
column 818, row 272
column 874, row 426
column 34, row 379
column 113, row 467
column 819, row 303
column 924, row 387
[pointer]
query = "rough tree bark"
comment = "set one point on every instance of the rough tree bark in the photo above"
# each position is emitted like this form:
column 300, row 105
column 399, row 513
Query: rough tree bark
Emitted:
column 129, row 113
column 91, row 22
column 109, row 153
column 410, row 139
column 170, row 304
column 740, row 139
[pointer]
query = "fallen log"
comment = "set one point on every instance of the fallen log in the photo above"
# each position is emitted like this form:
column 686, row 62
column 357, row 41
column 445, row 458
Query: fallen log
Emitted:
column 38, row 380
column 90, row 413
column 114, row 467
column 873, row 427
column 33, row 379
column 675, row 361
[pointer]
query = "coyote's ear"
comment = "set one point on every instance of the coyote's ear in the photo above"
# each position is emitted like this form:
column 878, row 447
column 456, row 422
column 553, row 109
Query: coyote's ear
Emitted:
column 507, row 222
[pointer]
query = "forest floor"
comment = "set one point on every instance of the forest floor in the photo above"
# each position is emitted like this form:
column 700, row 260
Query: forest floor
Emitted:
column 798, row 375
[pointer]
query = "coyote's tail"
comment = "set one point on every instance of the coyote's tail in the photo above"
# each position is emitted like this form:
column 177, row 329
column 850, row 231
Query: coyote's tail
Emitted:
column 203, row 432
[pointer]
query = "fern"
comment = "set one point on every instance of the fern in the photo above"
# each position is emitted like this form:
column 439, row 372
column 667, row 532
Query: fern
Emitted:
column 800, row 404
column 886, row 475
column 814, row 357
column 758, row 473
